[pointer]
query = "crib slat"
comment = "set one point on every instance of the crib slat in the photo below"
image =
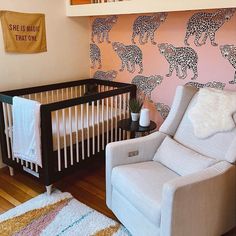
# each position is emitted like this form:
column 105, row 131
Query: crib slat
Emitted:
column 124, row 112
column 57, row 94
column 98, row 126
column 82, row 128
column 58, row 142
column 107, row 119
column 71, row 142
column 76, row 133
column 93, row 128
column 116, row 118
column 76, row 91
column 41, row 98
column 62, row 94
column 6, row 129
column 80, row 91
column 120, row 117
column 71, row 92
column 103, row 144
column 47, row 97
column 127, row 112
column 67, row 93
column 88, row 139
column 112, row 118
column 52, row 95
column 64, row 136
column 10, row 125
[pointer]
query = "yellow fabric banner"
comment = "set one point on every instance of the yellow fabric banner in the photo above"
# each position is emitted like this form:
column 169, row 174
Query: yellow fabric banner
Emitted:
column 23, row 32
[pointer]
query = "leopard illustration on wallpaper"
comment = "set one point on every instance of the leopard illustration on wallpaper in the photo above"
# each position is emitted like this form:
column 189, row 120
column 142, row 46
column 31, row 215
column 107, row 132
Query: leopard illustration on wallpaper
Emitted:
column 229, row 52
column 162, row 109
column 101, row 28
column 133, row 55
column 214, row 84
column 146, row 85
column 183, row 57
column 105, row 75
column 95, row 56
column 207, row 23
column 130, row 56
column 146, row 26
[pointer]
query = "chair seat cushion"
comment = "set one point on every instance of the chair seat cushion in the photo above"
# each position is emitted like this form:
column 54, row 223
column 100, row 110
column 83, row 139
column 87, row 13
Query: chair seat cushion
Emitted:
column 180, row 159
column 141, row 184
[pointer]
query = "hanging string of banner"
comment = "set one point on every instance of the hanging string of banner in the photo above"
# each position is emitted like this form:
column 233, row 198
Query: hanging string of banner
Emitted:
column 23, row 32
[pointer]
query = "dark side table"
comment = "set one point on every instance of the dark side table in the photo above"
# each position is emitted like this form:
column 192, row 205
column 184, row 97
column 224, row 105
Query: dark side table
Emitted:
column 134, row 127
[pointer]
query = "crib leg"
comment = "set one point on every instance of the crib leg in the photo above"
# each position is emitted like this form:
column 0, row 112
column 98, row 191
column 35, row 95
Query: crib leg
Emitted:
column 49, row 189
column 11, row 170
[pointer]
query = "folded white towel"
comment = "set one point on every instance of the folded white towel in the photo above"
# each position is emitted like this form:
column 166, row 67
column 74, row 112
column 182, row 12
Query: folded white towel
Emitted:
column 213, row 112
column 26, row 130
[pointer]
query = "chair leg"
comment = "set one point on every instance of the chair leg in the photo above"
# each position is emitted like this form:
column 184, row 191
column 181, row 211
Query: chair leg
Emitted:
column 49, row 189
column 11, row 170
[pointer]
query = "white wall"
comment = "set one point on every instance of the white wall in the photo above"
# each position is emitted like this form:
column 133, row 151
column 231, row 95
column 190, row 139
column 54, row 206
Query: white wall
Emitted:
column 67, row 57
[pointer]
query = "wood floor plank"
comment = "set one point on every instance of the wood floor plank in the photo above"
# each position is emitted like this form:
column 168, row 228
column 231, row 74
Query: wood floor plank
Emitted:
column 5, row 205
column 17, row 193
column 91, row 188
column 9, row 198
column 13, row 181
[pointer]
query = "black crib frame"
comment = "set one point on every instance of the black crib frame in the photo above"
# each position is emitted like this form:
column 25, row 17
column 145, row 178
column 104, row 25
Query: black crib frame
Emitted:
column 47, row 174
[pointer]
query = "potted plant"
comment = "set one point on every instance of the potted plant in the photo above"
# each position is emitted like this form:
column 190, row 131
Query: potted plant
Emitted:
column 135, row 106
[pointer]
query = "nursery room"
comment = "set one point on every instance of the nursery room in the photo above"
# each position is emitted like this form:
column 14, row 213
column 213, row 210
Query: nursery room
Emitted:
column 118, row 118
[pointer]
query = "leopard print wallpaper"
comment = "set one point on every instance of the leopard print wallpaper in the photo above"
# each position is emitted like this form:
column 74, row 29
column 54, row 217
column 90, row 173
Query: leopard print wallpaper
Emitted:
column 160, row 51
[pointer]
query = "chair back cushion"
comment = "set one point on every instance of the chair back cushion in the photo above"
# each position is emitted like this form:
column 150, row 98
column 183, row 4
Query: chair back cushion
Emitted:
column 180, row 159
column 221, row 146
column 182, row 98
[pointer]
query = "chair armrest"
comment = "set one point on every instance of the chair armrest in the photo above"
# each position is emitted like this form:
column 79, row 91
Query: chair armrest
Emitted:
column 120, row 153
column 202, row 203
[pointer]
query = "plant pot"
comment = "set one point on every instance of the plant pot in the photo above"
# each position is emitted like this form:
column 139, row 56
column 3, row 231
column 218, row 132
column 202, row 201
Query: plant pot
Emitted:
column 134, row 116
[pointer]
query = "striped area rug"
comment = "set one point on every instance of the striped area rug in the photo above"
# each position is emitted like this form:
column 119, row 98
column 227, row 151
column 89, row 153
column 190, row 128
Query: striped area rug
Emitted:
column 59, row 214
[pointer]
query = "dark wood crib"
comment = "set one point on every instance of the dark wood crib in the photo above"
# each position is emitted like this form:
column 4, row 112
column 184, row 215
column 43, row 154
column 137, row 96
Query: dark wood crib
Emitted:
column 76, row 124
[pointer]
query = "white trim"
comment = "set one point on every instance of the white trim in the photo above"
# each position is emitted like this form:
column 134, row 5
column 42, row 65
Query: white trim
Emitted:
column 140, row 6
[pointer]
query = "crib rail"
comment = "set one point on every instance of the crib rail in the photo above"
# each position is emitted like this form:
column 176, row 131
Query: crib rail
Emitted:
column 66, row 142
column 8, row 95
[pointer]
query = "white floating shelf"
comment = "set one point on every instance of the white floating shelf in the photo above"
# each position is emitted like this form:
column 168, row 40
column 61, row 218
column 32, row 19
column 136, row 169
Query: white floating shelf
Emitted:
column 144, row 6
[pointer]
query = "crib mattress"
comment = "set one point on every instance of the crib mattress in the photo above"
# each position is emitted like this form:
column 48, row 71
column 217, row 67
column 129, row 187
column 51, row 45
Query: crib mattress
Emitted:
column 68, row 128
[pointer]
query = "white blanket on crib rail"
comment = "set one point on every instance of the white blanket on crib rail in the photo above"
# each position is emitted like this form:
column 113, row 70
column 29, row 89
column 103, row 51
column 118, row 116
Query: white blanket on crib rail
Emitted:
column 213, row 112
column 26, row 130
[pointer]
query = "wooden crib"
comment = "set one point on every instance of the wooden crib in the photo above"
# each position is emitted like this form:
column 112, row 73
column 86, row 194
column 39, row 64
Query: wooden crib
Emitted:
column 76, row 124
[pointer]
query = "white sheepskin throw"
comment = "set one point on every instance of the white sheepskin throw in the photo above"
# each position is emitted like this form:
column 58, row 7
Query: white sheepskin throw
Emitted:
column 213, row 112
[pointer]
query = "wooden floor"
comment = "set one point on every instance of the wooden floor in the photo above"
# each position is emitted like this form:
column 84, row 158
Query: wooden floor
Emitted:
column 88, row 186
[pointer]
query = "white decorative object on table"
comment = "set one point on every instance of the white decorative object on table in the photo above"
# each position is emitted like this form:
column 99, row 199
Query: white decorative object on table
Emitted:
column 144, row 120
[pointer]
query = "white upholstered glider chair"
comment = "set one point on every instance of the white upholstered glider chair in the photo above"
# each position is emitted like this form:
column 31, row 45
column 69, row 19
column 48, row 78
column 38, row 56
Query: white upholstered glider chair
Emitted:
column 177, row 184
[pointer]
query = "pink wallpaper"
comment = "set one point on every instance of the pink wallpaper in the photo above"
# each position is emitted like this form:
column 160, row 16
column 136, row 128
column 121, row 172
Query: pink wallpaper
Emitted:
column 160, row 45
